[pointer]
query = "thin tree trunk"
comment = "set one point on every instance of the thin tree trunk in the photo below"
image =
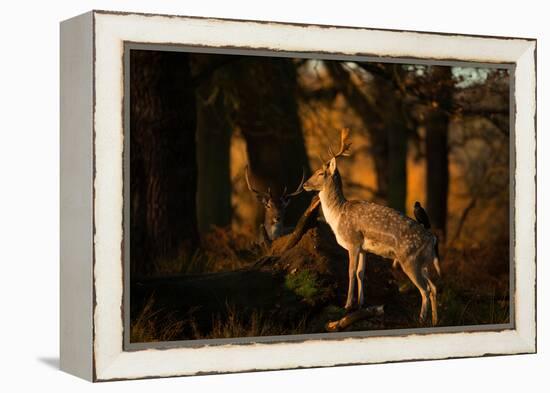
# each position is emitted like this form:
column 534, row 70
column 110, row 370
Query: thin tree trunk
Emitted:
column 397, row 133
column 437, row 168
column 437, row 125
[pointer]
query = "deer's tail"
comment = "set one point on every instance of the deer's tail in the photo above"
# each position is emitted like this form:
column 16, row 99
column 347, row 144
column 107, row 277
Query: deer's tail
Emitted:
column 436, row 257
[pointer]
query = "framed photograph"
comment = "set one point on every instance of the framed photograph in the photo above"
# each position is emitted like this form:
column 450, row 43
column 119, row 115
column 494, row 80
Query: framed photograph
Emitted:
column 246, row 195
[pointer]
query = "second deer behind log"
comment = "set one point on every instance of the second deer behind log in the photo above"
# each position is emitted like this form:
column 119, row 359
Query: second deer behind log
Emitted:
column 275, row 209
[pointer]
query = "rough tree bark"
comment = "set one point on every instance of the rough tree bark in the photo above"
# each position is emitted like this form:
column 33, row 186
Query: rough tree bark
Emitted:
column 163, row 164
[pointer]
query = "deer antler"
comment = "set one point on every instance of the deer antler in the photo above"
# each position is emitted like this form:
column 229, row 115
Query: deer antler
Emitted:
column 299, row 189
column 259, row 194
column 345, row 145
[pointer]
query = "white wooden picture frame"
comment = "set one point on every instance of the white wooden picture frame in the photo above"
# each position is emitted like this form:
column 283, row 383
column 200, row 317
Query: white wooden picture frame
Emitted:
column 92, row 159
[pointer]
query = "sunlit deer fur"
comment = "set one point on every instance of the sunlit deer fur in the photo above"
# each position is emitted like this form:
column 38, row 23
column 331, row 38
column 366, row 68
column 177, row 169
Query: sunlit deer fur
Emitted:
column 275, row 209
column 361, row 226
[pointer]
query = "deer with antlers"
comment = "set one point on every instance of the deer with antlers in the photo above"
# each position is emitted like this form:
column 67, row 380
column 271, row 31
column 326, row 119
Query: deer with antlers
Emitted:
column 361, row 227
column 275, row 209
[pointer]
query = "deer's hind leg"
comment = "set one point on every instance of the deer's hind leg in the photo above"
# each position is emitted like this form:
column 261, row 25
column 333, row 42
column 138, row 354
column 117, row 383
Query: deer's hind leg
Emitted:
column 433, row 296
column 414, row 272
column 352, row 269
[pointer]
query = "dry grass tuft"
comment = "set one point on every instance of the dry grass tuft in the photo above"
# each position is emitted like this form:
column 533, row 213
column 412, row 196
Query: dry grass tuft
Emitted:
column 153, row 325
column 234, row 324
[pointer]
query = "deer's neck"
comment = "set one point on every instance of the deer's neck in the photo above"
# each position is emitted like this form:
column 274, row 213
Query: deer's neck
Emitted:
column 332, row 200
column 274, row 230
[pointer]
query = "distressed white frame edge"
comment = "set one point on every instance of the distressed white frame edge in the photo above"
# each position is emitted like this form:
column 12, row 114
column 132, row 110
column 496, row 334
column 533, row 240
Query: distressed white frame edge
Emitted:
column 76, row 204
column 110, row 32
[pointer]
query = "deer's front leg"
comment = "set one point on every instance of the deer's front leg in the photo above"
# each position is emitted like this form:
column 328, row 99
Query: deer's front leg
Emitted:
column 352, row 268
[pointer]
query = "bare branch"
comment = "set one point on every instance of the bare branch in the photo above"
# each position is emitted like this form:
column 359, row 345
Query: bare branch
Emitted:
column 463, row 217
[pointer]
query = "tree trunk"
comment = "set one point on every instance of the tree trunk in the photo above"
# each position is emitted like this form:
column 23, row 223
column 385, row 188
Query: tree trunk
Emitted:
column 397, row 133
column 437, row 124
column 163, row 177
column 266, row 111
column 437, row 168
column 213, row 148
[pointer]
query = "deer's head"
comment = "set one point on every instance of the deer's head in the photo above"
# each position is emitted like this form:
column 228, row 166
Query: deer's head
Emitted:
column 321, row 176
column 275, row 207
column 328, row 172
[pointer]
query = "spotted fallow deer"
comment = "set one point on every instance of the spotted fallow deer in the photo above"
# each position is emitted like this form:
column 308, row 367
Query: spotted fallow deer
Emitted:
column 275, row 209
column 361, row 227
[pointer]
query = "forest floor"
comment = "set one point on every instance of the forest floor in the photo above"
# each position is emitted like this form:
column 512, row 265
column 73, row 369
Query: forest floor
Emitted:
column 232, row 287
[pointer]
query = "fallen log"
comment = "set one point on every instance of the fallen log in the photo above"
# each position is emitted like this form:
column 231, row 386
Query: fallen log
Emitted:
column 353, row 317
column 211, row 291
column 307, row 221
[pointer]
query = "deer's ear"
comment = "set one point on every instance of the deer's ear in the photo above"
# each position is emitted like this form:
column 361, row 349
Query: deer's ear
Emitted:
column 332, row 166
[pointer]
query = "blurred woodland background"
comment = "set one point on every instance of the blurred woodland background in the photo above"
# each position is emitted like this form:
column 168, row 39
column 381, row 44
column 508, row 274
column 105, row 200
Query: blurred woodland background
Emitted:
column 435, row 134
